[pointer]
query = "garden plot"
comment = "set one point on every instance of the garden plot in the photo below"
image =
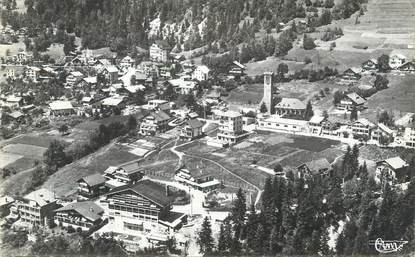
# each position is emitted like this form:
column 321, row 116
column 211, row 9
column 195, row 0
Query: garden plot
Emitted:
column 8, row 158
column 30, row 151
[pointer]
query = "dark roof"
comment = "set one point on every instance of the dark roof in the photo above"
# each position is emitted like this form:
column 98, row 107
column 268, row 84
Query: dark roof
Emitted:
column 153, row 191
column 172, row 216
column 130, row 167
column 160, row 116
column 93, row 180
column 316, row 165
column 162, row 44
column 87, row 209
column 194, row 123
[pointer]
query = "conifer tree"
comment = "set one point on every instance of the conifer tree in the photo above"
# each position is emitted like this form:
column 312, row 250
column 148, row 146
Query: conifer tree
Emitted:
column 205, row 239
column 238, row 212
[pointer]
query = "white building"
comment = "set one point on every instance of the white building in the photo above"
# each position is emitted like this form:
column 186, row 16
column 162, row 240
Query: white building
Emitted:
column 201, row 73
column 230, row 127
column 275, row 123
column 396, row 60
column 159, row 51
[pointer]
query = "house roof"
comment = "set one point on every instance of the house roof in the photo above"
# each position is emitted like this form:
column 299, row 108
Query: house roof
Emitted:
column 239, row 64
column 203, row 68
column 162, row 44
column 76, row 74
column 140, row 76
column 112, row 101
column 316, row 165
column 230, row 114
column 91, row 80
column 160, row 116
column 111, row 69
column 41, row 197
column 134, row 89
column 130, row 167
column 16, row 114
column 365, row 122
column 385, row 128
column 104, row 62
column 357, row 99
column 276, row 119
column 110, row 170
column 317, row 119
column 194, row 123
column 87, row 209
column 396, row 162
column 60, row 105
column 13, row 98
column 291, row 103
column 153, row 191
column 399, row 56
column 93, row 180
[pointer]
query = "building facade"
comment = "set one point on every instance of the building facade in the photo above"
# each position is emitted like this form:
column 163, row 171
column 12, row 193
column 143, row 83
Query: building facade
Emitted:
column 230, row 127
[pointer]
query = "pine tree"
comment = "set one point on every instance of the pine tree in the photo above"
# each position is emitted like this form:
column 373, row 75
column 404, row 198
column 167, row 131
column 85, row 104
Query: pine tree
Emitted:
column 353, row 114
column 238, row 212
column 308, row 111
column 205, row 239
column 259, row 242
column 324, row 247
column 274, row 240
column 263, row 108
column 313, row 246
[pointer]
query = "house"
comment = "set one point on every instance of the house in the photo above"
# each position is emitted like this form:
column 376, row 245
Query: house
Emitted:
column 127, row 62
column 315, row 124
column 156, row 121
column 198, row 179
column 381, row 131
column 409, row 136
column 330, row 127
column 23, row 57
column 159, row 51
column 114, row 102
column 275, row 123
column 13, row 101
column 350, row 101
column 101, row 64
column 183, row 86
column 213, row 97
column 144, row 208
column 140, row 78
column 16, row 116
column 192, row 129
column 58, row 108
column 91, row 186
column 370, row 65
column 37, row 207
column 393, row 170
column 32, row 73
column 79, row 215
column 362, row 127
column 111, row 73
column 319, row 167
column 156, row 103
column 352, row 74
column 201, row 73
column 237, row 69
column 74, row 77
column 396, row 60
column 230, row 127
column 128, row 173
column 408, row 66
column 14, row 72
column 88, row 82
column 290, row 107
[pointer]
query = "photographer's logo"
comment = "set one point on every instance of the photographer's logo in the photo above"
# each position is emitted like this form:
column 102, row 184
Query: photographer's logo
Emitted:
column 388, row 246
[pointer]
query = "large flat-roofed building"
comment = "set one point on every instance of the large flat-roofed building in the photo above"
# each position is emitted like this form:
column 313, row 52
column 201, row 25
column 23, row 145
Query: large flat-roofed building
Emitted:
column 230, row 127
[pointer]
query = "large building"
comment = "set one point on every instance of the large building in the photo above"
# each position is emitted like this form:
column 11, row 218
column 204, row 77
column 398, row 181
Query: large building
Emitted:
column 290, row 107
column 198, row 179
column 268, row 94
column 155, row 122
column 350, row 101
column 192, row 129
column 92, row 185
column 230, row 127
column 201, row 73
column 409, row 136
column 159, row 51
column 142, row 207
column 393, row 170
column 37, row 207
column 79, row 215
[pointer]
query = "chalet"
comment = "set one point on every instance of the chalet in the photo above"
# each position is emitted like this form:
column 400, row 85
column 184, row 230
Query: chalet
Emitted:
column 198, row 179
column 13, row 101
column 79, row 215
column 290, row 106
column 140, row 78
column 101, row 64
column 150, row 69
column 14, row 72
column 144, row 207
column 275, row 123
column 352, row 74
column 201, row 73
column 127, row 62
column 350, row 101
column 155, row 103
column 393, row 170
column 129, row 173
column 37, row 207
column 370, row 65
column 111, row 73
column 59, row 108
column 91, row 186
column 32, row 73
column 362, row 127
column 237, row 69
column 380, row 131
column 408, row 67
column 319, row 167
column 213, row 97
column 78, row 61
column 396, row 61
column 330, row 127
column 156, row 121
column 23, row 57
column 16, row 116
column 192, row 129
column 133, row 90
column 88, row 82
column 159, row 51
column 315, row 124
column 74, row 77
column 114, row 102
column 183, row 86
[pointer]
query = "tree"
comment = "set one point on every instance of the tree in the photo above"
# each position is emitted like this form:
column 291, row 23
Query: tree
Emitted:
column 205, row 239
column 282, row 70
column 226, row 239
column 238, row 212
column 263, row 108
column 383, row 63
column 308, row 111
column 381, row 82
column 353, row 114
column 63, row 129
column 337, row 97
column 386, row 118
column 55, row 157
column 132, row 123
column 308, row 43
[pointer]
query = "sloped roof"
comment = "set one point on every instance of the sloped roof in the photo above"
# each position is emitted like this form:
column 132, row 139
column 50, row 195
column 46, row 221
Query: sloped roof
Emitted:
column 365, row 122
column 16, row 114
column 87, row 209
column 291, row 103
column 160, row 116
column 13, row 98
column 91, row 80
column 153, row 191
column 194, row 123
column 41, row 197
column 385, row 128
column 111, row 69
column 239, row 64
column 93, row 180
column 396, row 162
column 60, row 105
column 112, row 101
column 162, row 44
column 357, row 99
column 316, row 119
column 319, row 164
column 203, row 68
column 230, row 114
column 135, row 88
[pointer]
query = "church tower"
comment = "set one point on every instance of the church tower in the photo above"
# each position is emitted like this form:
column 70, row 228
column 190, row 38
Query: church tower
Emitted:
column 268, row 92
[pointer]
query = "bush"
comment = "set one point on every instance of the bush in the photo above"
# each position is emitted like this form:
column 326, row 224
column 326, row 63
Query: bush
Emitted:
column 70, row 229
column 307, row 60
